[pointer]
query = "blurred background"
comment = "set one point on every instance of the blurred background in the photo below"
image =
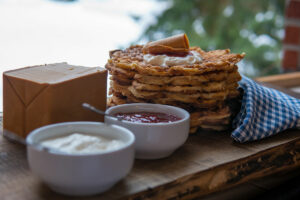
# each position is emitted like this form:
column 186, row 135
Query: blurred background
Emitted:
column 254, row 27
column 82, row 32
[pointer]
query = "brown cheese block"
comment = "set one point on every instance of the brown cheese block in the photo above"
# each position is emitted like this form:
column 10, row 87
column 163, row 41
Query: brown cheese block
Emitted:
column 40, row 95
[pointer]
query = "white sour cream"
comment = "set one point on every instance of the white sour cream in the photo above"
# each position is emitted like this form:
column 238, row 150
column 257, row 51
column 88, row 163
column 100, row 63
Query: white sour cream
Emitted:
column 164, row 60
column 78, row 143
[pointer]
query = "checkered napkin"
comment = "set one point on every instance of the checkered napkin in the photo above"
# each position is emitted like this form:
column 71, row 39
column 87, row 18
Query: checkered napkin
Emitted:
column 264, row 112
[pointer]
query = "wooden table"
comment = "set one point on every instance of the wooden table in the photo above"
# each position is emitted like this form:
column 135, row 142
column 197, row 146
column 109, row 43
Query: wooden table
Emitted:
column 207, row 165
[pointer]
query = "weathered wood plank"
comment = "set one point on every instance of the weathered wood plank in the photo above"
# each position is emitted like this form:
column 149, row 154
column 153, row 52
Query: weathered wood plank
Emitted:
column 224, row 176
column 270, row 182
column 276, row 186
column 243, row 191
column 281, row 88
column 287, row 80
column 200, row 167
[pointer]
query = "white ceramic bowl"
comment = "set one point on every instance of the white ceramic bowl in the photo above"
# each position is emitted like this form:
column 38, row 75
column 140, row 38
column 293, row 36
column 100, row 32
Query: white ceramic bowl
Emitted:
column 154, row 140
column 77, row 174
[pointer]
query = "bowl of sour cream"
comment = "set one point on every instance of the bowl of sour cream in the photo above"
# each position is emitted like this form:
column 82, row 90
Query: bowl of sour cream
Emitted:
column 81, row 158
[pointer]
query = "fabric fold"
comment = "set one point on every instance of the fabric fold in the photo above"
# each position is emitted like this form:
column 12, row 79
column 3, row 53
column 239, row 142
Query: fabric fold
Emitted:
column 264, row 112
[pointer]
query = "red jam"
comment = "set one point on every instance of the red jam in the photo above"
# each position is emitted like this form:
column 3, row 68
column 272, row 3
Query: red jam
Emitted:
column 148, row 117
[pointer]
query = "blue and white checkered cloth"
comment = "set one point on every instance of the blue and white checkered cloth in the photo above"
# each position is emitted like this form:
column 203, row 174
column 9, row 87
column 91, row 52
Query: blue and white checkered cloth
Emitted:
column 264, row 112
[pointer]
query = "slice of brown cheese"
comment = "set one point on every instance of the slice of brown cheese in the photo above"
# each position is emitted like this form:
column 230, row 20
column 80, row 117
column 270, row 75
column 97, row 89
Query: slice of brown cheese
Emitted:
column 46, row 94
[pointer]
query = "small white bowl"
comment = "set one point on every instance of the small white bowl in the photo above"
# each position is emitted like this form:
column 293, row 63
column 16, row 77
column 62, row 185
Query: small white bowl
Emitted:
column 81, row 174
column 154, row 140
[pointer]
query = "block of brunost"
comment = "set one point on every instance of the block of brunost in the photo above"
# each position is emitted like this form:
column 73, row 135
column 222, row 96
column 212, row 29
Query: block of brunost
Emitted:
column 46, row 94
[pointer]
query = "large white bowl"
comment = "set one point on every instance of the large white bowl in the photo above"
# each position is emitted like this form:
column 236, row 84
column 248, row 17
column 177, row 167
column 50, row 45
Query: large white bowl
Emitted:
column 77, row 174
column 154, row 140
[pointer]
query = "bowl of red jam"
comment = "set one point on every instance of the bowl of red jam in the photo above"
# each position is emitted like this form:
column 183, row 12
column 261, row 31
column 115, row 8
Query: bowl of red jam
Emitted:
column 159, row 129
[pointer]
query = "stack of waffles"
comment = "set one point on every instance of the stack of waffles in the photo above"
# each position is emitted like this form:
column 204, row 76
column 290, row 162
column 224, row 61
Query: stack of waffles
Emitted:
column 206, row 87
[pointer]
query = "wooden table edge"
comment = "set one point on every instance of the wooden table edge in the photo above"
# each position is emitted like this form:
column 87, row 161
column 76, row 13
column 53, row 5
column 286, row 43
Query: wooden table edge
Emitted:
column 287, row 80
column 221, row 177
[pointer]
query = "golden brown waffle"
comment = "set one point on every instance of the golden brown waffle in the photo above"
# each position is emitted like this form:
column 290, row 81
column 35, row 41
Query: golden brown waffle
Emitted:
column 121, row 80
column 193, row 130
column 214, row 127
column 184, row 97
column 219, row 116
column 204, row 89
column 187, row 97
column 117, row 87
column 113, row 70
column 132, row 59
column 201, row 104
column 188, row 80
column 110, row 102
column 207, row 87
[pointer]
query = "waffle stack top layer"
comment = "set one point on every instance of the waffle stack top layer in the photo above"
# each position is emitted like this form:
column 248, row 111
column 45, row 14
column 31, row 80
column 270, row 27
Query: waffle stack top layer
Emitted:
column 205, row 88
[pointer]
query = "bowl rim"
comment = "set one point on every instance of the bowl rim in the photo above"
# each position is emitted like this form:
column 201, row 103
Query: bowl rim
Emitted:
column 177, row 109
column 32, row 134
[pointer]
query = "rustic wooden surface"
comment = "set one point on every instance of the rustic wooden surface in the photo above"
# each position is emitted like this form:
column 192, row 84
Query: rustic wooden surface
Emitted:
column 284, row 80
column 207, row 163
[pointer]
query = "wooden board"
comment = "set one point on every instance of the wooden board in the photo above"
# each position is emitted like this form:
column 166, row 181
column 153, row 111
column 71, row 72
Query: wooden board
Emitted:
column 207, row 163
column 284, row 80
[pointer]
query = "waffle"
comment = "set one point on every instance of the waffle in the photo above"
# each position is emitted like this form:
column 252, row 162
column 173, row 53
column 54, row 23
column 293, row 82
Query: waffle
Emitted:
column 206, row 89
column 184, row 97
column 188, row 106
column 119, row 71
column 211, row 117
column 189, row 80
column 213, row 127
column 131, row 59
